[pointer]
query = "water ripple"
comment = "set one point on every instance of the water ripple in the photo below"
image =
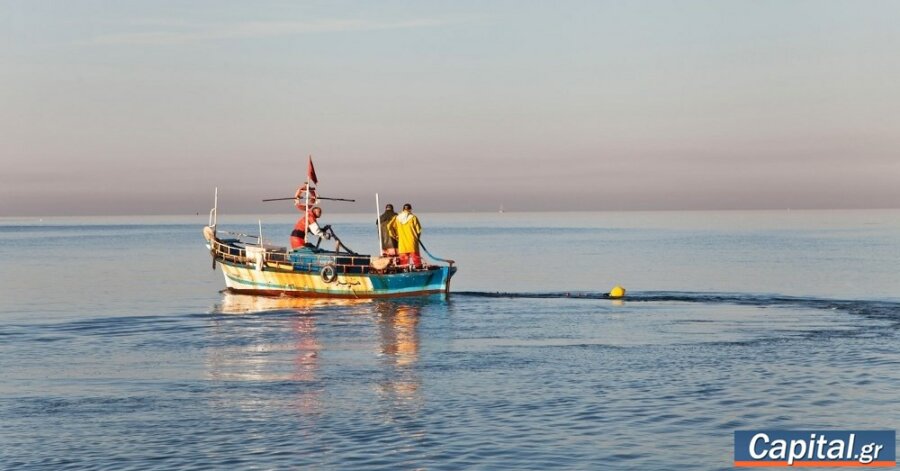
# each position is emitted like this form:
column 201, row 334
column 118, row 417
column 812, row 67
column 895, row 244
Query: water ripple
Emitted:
column 486, row 382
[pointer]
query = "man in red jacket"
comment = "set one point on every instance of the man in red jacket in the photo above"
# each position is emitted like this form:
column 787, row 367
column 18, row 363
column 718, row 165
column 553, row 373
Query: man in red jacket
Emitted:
column 307, row 222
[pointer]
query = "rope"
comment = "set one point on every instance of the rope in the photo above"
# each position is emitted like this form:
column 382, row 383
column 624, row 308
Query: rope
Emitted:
column 419, row 241
column 449, row 262
column 328, row 230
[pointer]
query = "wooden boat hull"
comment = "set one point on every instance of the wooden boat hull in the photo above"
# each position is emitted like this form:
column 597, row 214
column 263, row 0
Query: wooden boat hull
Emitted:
column 245, row 279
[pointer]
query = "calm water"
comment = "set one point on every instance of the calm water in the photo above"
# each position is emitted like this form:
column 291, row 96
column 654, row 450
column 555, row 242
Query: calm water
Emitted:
column 117, row 350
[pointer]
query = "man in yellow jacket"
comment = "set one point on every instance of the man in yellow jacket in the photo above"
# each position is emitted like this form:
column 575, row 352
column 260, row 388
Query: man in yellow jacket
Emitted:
column 406, row 229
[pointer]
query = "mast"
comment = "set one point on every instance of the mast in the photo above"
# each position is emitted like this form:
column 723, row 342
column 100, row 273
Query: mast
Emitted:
column 306, row 214
column 214, row 212
column 378, row 218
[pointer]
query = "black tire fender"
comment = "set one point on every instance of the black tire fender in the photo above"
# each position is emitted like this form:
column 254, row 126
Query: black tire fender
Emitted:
column 328, row 273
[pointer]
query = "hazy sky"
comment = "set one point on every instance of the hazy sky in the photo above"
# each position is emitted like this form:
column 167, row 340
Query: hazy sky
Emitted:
column 133, row 107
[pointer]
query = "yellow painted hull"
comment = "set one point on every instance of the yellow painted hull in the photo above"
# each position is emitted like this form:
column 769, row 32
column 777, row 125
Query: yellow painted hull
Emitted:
column 246, row 279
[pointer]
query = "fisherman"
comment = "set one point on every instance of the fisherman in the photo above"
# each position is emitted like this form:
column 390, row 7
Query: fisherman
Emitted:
column 307, row 222
column 305, row 199
column 406, row 228
column 388, row 241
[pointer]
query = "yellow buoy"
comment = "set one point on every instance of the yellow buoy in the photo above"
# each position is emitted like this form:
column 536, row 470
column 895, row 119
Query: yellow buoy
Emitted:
column 617, row 292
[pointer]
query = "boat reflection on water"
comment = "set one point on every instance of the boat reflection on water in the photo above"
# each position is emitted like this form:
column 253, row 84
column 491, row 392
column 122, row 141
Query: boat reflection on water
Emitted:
column 247, row 304
column 301, row 345
column 400, row 388
column 280, row 348
column 397, row 325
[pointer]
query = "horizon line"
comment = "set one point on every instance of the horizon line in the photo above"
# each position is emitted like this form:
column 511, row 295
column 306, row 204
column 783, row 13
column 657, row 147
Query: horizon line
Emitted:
column 206, row 214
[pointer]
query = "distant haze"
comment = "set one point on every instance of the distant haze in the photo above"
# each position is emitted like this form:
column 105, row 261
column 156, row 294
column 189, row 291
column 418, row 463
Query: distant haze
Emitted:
column 145, row 107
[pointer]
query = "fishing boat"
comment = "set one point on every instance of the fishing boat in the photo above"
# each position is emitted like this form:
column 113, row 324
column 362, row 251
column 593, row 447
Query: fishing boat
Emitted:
column 253, row 267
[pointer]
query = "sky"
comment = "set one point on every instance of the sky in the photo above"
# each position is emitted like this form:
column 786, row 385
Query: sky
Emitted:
column 145, row 107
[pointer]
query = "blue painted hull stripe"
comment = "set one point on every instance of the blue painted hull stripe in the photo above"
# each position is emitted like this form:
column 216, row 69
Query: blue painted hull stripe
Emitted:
column 439, row 286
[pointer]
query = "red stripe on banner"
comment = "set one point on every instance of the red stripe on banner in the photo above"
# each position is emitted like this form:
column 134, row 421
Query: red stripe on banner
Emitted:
column 809, row 464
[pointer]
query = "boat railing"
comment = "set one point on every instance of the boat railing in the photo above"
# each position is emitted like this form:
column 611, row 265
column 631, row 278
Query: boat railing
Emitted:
column 230, row 251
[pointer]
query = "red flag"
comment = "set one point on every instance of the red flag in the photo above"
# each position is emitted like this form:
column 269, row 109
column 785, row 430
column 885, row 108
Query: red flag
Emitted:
column 311, row 172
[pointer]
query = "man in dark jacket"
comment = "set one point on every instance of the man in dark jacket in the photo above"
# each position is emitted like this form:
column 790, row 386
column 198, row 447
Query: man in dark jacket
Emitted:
column 388, row 243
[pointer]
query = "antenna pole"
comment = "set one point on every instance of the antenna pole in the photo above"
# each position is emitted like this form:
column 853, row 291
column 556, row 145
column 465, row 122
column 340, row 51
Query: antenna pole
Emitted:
column 378, row 218
column 306, row 214
column 260, row 232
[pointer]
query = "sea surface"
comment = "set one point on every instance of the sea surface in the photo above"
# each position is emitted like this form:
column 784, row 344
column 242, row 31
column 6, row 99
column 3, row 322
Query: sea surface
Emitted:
column 118, row 350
